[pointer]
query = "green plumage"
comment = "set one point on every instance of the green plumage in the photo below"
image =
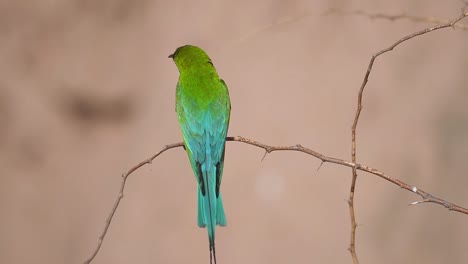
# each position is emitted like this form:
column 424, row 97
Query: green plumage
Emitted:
column 203, row 108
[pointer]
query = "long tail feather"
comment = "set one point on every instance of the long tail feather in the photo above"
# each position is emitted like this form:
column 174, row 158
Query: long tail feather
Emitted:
column 210, row 203
column 210, row 209
column 213, row 253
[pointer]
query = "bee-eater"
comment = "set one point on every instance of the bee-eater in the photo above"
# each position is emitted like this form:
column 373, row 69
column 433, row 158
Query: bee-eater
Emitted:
column 203, row 108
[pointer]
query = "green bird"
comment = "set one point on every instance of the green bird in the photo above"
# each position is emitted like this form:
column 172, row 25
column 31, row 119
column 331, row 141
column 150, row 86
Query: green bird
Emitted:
column 203, row 108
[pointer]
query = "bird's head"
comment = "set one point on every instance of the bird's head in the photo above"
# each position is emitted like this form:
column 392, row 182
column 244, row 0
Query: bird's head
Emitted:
column 190, row 57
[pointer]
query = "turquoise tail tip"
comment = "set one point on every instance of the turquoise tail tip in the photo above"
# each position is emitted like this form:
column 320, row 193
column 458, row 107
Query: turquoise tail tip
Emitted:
column 220, row 216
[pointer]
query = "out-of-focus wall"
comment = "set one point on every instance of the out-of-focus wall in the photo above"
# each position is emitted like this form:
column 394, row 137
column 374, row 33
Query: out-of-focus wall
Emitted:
column 87, row 91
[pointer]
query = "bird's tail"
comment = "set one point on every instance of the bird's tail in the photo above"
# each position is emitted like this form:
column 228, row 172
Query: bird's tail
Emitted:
column 210, row 208
column 205, row 215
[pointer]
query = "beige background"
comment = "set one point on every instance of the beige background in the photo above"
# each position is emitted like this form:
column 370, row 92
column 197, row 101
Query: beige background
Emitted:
column 87, row 91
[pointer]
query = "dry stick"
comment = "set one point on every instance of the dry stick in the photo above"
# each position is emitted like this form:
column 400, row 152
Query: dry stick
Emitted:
column 268, row 149
column 121, row 195
column 426, row 197
column 401, row 16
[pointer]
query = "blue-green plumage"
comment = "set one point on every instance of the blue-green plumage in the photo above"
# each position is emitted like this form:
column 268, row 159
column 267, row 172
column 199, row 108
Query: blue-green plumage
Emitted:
column 203, row 109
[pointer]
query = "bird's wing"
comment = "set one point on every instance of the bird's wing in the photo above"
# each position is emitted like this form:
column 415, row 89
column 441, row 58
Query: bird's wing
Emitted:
column 193, row 132
column 223, row 124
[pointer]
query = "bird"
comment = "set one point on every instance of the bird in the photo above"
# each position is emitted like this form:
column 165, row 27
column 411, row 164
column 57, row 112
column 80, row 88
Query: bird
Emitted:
column 203, row 110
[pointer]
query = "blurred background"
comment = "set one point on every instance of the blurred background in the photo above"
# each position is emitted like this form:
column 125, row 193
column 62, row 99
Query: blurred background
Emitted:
column 87, row 91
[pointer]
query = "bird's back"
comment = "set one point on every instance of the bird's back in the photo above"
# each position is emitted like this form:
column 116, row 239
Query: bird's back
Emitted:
column 203, row 108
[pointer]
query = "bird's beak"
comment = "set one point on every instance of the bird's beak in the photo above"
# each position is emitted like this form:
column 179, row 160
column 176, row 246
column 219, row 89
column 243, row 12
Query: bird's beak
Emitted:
column 171, row 56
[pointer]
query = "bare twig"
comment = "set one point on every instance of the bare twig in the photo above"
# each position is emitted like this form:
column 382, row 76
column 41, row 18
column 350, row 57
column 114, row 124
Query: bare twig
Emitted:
column 401, row 16
column 121, row 194
column 425, row 196
column 269, row 149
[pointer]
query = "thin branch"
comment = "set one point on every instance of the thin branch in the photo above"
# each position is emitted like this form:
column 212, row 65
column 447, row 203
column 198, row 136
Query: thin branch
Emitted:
column 352, row 216
column 121, row 195
column 269, row 149
column 326, row 159
column 425, row 196
column 432, row 20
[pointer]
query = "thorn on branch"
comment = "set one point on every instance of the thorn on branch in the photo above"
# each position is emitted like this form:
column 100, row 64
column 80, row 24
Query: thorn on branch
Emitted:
column 320, row 166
